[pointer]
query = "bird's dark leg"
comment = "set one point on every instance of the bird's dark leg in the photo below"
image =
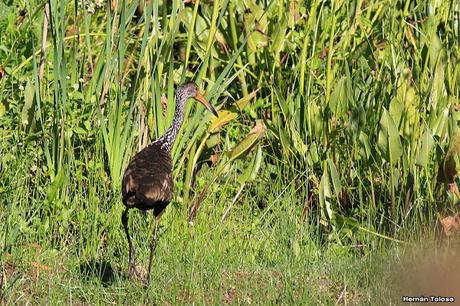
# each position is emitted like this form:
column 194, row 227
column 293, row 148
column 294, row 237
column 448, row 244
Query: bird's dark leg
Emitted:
column 152, row 248
column 131, row 261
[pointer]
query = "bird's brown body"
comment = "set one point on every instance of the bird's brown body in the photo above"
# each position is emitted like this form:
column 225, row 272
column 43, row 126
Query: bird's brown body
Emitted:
column 148, row 183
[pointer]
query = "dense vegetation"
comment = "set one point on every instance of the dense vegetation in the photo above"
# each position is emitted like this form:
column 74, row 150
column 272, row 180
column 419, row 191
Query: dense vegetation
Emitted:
column 336, row 142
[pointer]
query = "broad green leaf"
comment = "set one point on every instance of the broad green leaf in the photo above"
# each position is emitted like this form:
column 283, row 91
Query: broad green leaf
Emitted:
column 313, row 156
column 242, row 147
column 213, row 140
column 316, row 119
column 257, row 14
column 396, row 109
column 244, row 177
column 257, row 41
column 438, row 88
column 241, row 103
column 250, row 173
column 55, row 185
column 335, row 178
column 2, row 109
column 404, row 105
column 279, row 37
column 325, row 194
column 225, row 116
column 439, row 122
column 257, row 163
column 26, row 114
column 365, row 148
column 426, row 145
column 434, row 45
column 338, row 103
column 256, row 22
column 388, row 140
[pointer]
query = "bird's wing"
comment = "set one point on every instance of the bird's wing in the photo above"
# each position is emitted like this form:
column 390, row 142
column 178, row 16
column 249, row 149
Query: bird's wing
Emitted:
column 148, row 176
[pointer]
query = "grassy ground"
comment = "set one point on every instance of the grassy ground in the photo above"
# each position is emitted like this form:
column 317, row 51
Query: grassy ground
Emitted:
column 334, row 156
column 216, row 266
column 208, row 262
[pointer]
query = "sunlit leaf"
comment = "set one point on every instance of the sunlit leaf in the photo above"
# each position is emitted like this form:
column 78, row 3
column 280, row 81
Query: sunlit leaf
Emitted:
column 339, row 101
column 396, row 110
column 365, row 149
column 242, row 147
column 426, row 145
column 325, row 195
column 225, row 116
column 313, row 156
column 438, row 88
column 55, row 185
column 389, row 141
column 279, row 37
column 250, row 173
column 26, row 114
column 335, row 178
column 2, row 109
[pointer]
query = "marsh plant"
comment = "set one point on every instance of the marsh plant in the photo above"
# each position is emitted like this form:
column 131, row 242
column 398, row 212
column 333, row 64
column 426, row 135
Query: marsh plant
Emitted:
column 336, row 145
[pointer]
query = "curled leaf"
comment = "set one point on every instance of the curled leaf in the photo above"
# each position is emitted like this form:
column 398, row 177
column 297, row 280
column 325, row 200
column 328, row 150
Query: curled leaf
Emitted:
column 450, row 225
column 247, row 143
column 225, row 116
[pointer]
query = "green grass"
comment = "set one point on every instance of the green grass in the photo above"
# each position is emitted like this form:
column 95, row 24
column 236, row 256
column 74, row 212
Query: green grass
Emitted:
column 335, row 152
column 208, row 263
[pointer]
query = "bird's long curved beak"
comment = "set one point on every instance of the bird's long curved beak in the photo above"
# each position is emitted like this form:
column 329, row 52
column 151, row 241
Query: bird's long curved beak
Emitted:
column 206, row 104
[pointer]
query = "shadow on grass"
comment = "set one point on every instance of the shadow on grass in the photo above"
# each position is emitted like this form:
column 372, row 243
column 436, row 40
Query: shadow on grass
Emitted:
column 101, row 270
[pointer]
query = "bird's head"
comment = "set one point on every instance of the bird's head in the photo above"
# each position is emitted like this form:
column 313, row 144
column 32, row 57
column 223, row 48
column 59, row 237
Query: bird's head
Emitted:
column 190, row 90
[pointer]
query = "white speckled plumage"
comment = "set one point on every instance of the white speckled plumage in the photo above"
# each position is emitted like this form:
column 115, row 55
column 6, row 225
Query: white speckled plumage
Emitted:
column 184, row 93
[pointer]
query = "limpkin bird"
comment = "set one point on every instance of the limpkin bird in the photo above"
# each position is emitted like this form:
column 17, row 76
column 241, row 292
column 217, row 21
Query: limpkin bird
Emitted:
column 148, row 181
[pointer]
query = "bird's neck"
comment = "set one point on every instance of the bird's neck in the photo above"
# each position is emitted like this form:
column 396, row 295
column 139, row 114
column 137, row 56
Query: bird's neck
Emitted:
column 169, row 137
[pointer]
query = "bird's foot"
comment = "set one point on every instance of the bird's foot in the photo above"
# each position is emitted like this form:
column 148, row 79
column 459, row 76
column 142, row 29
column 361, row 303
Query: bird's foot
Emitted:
column 133, row 274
